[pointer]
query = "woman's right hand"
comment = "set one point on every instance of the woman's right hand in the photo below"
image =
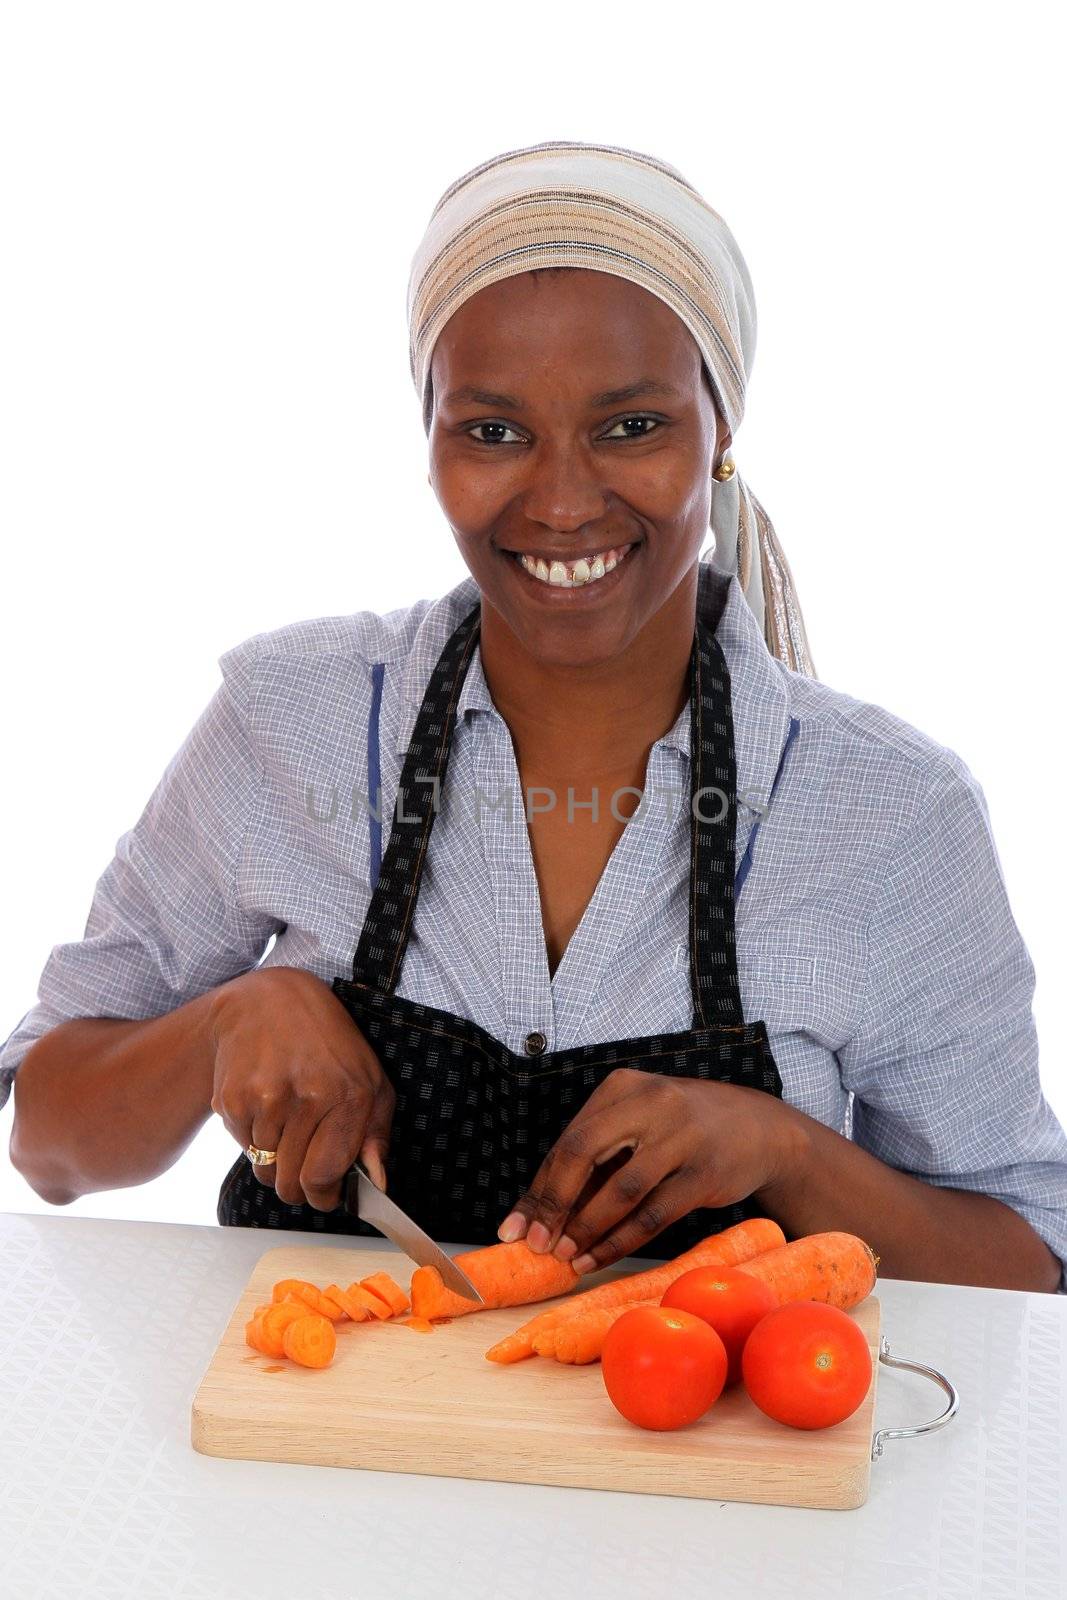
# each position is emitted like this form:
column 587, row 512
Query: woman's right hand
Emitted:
column 293, row 1073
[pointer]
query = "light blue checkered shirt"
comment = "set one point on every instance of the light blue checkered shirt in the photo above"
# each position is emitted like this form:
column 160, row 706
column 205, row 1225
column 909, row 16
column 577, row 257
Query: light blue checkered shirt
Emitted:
column 874, row 934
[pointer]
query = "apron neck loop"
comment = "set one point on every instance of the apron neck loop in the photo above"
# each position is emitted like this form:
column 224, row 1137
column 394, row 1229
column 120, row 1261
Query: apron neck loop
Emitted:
column 716, row 994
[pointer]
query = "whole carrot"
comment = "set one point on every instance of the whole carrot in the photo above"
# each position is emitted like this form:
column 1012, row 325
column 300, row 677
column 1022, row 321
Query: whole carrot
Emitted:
column 837, row 1269
column 581, row 1339
column 732, row 1247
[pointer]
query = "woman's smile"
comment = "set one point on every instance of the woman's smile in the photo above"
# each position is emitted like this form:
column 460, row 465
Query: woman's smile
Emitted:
column 598, row 570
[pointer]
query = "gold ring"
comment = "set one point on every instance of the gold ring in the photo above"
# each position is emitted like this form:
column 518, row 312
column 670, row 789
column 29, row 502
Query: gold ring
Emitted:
column 260, row 1158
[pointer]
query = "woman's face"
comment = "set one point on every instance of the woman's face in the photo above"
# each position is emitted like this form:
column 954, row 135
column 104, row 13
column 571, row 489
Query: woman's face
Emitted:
column 531, row 452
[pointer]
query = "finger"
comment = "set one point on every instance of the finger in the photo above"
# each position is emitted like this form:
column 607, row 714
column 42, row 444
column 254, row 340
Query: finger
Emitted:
column 631, row 1199
column 264, row 1133
column 331, row 1150
column 658, row 1207
column 292, row 1149
column 593, row 1138
column 378, row 1132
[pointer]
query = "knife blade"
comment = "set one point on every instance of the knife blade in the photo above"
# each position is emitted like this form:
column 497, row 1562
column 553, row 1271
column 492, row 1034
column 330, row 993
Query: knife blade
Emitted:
column 365, row 1200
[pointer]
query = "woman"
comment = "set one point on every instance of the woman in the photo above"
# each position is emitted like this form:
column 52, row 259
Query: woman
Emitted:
column 551, row 1013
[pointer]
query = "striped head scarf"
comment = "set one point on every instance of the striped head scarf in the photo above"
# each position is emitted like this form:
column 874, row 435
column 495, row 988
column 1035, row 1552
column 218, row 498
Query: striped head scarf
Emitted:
column 565, row 203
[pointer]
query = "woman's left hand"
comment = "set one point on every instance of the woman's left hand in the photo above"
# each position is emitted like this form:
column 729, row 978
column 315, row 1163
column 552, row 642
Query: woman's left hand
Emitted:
column 691, row 1143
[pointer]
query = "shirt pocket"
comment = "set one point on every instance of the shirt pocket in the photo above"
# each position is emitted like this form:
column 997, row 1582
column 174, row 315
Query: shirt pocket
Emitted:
column 818, row 993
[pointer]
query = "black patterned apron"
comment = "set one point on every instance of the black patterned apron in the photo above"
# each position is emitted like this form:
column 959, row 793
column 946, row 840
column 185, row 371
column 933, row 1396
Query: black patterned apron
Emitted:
column 473, row 1120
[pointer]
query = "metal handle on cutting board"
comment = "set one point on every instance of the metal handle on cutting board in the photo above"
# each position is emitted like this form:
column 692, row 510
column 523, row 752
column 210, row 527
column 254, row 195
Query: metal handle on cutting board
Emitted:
column 927, row 1427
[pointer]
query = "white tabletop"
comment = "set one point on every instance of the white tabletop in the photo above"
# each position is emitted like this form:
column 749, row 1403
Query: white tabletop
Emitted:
column 106, row 1329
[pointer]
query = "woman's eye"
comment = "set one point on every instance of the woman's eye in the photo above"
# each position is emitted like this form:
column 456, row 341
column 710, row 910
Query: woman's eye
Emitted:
column 642, row 435
column 624, row 422
column 502, row 426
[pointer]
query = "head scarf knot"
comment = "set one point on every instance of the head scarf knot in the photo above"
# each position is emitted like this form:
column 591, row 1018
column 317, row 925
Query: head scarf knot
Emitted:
column 566, row 203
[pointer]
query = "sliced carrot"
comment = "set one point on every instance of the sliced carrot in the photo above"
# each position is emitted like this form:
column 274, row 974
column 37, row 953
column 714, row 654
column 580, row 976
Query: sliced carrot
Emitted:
column 353, row 1307
column 836, row 1269
column 310, row 1341
column 286, row 1286
column 253, row 1334
column 273, row 1323
column 332, row 1292
column 732, row 1247
column 312, row 1297
column 420, row 1324
column 373, row 1302
column 387, row 1289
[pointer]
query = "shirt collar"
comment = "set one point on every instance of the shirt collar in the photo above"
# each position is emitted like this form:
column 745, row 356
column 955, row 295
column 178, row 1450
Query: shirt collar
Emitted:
column 758, row 685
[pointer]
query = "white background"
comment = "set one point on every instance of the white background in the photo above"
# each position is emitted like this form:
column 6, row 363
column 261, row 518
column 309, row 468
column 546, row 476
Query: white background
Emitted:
column 208, row 426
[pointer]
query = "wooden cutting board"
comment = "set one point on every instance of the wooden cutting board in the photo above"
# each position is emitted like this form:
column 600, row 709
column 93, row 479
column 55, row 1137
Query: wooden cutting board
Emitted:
column 397, row 1400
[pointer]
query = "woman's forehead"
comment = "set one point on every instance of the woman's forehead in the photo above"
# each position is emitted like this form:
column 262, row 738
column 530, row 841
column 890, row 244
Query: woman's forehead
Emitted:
column 593, row 317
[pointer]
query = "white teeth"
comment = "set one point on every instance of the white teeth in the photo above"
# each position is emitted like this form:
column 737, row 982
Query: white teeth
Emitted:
column 583, row 570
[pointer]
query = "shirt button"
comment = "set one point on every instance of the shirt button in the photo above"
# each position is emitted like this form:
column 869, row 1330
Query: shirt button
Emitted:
column 535, row 1044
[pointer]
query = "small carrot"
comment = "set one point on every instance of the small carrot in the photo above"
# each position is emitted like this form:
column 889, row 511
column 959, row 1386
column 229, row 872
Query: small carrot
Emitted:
column 731, row 1247
column 836, row 1269
column 310, row 1341
column 381, row 1284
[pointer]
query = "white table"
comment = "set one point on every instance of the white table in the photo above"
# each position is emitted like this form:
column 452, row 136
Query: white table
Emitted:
column 107, row 1327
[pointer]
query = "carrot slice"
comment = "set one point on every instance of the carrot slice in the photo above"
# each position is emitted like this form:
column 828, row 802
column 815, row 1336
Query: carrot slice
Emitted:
column 387, row 1289
column 310, row 1341
column 836, row 1269
column 732, row 1247
column 353, row 1307
column 332, row 1293
column 253, row 1334
column 286, row 1286
column 373, row 1302
column 273, row 1323
column 312, row 1297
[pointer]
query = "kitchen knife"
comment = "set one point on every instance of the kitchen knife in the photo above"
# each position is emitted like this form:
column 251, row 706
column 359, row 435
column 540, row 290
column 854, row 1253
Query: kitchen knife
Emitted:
column 365, row 1200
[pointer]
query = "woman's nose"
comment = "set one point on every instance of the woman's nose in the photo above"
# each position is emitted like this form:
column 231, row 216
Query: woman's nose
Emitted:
column 564, row 490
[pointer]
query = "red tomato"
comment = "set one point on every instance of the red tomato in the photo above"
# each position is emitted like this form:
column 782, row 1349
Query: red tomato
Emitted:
column 729, row 1299
column 662, row 1368
column 807, row 1365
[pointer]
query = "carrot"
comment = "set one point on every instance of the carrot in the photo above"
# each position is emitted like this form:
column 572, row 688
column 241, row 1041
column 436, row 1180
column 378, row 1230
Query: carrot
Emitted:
column 286, row 1286
column 355, row 1308
column 273, row 1323
column 381, row 1284
column 333, row 1292
column 504, row 1275
column 836, row 1269
column 581, row 1339
column 253, row 1333
column 372, row 1302
column 731, row 1247
column 310, row 1341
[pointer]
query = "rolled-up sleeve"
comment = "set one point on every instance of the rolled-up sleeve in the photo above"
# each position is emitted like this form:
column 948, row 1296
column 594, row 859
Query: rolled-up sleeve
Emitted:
column 165, row 924
column 944, row 1064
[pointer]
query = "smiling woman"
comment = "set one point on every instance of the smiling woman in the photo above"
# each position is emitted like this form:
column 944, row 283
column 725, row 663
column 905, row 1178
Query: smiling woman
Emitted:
column 513, row 1044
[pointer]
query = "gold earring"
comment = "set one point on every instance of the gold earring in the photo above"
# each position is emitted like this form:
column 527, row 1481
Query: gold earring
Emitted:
column 725, row 470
